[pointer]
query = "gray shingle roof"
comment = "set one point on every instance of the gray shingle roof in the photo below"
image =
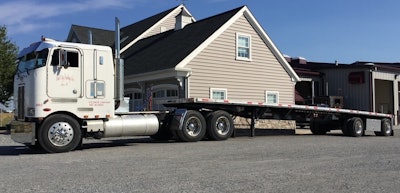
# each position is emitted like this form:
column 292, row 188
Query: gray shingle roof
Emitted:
column 131, row 32
column 166, row 50
column 99, row 36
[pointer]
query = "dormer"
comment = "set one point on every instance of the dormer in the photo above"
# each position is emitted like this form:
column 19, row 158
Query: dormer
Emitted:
column 182, row 19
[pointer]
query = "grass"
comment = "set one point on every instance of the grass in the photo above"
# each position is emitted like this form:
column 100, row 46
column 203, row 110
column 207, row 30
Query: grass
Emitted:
column 5, row 118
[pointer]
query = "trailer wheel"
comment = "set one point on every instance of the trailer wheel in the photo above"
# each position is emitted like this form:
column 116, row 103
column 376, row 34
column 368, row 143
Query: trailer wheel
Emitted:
column 356, row 127
column 194, row 127
column 316, row 129
column 59, row 133
column 386, row 128
column 219, row 125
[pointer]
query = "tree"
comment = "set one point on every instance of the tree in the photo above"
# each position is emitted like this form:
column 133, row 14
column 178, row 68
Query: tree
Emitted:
column 8, row 56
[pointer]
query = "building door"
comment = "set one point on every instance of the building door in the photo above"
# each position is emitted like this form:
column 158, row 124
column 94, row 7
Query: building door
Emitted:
column 384, row 96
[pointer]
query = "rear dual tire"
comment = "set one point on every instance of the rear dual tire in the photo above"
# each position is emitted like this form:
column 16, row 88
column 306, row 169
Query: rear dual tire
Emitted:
column 218, row 126
column 354, row 127
column 194, row 127
column 386, row 128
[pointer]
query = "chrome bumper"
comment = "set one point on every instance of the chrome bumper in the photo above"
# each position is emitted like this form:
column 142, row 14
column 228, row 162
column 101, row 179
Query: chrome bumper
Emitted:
column 23, row 132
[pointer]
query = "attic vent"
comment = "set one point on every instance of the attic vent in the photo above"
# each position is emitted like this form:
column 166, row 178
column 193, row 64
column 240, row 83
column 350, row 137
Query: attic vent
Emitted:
column 182, row 19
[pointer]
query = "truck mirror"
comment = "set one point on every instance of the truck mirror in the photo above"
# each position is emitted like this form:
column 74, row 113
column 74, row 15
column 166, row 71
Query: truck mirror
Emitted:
column 63, row 58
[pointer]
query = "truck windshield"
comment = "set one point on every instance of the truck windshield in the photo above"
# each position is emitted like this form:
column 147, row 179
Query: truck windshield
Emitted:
column 33, row 60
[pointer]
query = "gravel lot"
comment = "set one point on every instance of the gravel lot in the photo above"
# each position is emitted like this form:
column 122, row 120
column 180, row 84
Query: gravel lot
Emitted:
column 286, row 163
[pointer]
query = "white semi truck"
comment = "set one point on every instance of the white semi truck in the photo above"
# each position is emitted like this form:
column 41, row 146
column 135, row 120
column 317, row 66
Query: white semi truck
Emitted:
column 65, row 92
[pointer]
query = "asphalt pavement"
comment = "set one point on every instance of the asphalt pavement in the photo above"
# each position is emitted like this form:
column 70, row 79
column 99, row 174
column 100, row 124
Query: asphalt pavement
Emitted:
column 269, row 163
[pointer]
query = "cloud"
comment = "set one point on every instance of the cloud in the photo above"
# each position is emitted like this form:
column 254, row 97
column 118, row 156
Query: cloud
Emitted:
column 24, row 16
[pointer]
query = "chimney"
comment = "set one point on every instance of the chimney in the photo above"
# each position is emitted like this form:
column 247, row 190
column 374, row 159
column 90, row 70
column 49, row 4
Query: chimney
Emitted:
column 182, row 19
column 299, row 60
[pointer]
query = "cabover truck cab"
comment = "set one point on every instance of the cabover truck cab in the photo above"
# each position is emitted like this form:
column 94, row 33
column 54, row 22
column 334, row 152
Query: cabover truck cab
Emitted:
column 66, row 91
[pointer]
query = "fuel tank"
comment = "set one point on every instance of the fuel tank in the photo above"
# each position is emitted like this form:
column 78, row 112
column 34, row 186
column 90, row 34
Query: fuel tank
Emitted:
column 131, row 125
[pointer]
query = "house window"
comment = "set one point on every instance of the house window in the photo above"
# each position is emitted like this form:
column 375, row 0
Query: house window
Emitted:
column 243, row 47
column 165, row 93
column 218, row 94
column 272, row 97
column 172, row 93
column 137, row 95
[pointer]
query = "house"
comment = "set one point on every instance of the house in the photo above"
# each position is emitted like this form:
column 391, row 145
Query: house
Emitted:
column 228, row 56
column 367, row 86
column 170, row 55
column 129, row 34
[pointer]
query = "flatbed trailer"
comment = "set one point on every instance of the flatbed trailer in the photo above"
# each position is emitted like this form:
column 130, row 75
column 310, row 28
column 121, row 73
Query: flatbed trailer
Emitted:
column 321, row 119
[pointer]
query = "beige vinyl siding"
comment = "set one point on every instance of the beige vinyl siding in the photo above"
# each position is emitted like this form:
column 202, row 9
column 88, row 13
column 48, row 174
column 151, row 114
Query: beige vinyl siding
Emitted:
column 168, row 24
column 216, row 67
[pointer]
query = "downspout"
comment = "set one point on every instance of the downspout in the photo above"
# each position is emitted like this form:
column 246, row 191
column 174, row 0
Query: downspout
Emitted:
column 371, row 91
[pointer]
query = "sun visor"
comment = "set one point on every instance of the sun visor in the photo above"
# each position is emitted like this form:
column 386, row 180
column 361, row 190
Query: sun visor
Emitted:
column 37, row 46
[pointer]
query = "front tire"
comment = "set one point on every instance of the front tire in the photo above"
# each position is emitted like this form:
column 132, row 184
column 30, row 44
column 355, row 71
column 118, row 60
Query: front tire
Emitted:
column 219, row 125
column 194, row 127
column 59, row 133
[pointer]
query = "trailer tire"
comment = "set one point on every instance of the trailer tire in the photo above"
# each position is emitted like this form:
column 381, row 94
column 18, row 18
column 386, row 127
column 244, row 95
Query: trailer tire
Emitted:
column 386, row 128
column 219, row 125
column 345, row 128
column 59, row 133
column 355, row 127
column 315, row 128
column 194, row 127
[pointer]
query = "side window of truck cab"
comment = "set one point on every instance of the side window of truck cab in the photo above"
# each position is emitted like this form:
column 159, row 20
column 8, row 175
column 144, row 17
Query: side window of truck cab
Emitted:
column 72, row 58
column 55, row 58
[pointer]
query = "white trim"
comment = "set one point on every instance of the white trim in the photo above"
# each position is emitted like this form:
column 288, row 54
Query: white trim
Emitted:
column 239, row 34
column 156, row 24
column 157, row 75
column 306, row 79
column 274, row 93
column 219, row 89
column 164, row 86
column 132, row 90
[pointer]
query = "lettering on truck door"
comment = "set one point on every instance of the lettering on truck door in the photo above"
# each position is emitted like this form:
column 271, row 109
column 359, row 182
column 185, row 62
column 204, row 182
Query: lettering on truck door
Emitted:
column 64, row 74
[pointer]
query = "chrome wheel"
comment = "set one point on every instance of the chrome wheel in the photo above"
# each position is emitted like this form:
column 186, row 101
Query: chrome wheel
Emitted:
column 193, row 126
column 223, row 125
column 358, row 127
column 61, row 134
column 219, row 125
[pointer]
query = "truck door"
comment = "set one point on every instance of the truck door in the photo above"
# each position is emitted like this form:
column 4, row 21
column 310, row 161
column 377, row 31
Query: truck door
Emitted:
column 64, row 74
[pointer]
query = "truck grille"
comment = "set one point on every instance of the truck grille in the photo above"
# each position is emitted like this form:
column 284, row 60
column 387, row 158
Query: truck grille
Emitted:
column 21, row 102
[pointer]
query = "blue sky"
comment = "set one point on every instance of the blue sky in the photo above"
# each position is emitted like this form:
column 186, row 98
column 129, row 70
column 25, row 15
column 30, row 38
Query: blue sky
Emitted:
column 319, row 30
